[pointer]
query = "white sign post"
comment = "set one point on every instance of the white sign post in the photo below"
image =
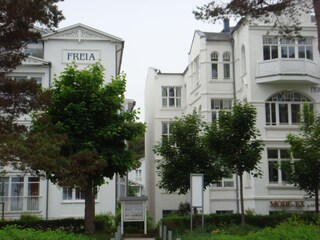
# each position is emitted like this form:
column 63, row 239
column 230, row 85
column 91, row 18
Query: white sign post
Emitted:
column 196, row 192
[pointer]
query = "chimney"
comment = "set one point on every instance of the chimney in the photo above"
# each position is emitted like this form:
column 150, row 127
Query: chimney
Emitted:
column 226, row 25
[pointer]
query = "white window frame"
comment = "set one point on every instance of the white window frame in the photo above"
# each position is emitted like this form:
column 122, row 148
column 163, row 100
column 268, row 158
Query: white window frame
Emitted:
column 220, row 104
column 284, row 98
column 214, row 65
column 282, row 155
column 226, row 57
column 171, row 96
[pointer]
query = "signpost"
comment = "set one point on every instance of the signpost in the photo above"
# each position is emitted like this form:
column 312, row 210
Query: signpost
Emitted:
column 133, row 209
column 196, row 192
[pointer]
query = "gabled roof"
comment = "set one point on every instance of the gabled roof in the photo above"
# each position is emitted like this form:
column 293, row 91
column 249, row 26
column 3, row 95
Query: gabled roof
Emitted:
column 81, row 32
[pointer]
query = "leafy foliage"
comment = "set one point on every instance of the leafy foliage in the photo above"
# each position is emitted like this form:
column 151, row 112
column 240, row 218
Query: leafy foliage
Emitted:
column 235, row 140
column 305, row 171
column 185, row 152
column 84, row 130
column 17, row 99
column 18, row 20
column 268, row 11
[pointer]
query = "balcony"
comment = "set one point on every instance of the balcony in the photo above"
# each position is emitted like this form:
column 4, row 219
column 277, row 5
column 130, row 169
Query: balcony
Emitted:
column 287, row 71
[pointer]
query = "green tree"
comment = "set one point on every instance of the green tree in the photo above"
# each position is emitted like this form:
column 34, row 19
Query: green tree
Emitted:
column 234, row 139
column 17, row 99
column 185, row 151
column 18, row 20
column 264, row 10
column 81, row 139
column 304, row 172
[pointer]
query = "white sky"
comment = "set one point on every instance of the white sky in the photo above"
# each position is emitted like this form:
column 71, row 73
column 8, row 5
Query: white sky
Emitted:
column 157, row 33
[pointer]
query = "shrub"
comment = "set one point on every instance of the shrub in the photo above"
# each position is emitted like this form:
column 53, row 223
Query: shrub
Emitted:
column 14, row 232
column 105, row 222
column 29, row 218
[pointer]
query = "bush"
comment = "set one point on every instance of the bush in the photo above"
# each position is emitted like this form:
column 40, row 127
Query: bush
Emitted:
column 29, row 218
column 105, row 222
column 15, row 232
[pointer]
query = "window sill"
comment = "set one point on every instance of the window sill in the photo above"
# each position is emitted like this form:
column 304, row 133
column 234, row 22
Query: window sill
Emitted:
column 222, row 188
column 280, row 186
column 171, row 108
column 220, row 81
column 282, row 127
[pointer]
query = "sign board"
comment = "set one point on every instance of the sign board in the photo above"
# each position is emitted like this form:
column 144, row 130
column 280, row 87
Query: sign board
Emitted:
column 80, row 56
column 196, row 190
column 133, row 212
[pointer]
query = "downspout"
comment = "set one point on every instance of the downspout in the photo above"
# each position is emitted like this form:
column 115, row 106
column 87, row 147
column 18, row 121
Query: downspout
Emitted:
column 234, row 100
column 47, row 201
column 49, row 66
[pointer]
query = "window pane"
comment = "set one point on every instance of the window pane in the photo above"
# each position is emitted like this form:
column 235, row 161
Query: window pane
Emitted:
column 164, row 102
column 272, row 153
column 266, row 52
column 291, row 52
column 164, row 92
column 171, row 102
column 178, row 91
column 79, row 194
column 274, row 52
column 171, row 92
column 226, row 70
column 67, row 193
column 284, row 154
column 273, row 171
column 283, row 114
column 309, row 53
column 214, row 69
column 295, row 113
column 214, row 116
column 301, row 51
column 178, row 102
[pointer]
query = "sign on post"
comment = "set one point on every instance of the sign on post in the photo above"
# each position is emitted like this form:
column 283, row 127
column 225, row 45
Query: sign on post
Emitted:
column 196, row 192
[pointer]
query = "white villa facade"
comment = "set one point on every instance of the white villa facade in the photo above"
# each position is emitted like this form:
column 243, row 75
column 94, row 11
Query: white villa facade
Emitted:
column 48, row 57
column 244, row 63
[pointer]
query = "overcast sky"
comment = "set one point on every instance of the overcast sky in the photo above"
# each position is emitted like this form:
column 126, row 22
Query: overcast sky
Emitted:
column 157, row 33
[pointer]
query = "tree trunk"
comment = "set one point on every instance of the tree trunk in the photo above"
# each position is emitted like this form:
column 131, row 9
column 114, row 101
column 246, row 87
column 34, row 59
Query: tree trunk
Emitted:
column 243, row 221
column 316, row 193
column 316, row 6
column 89, row 210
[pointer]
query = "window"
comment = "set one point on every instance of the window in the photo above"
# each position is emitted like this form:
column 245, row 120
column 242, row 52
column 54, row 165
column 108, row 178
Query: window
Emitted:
column 305, row 48
column 138, row 177
column 20, row 78
column 283, row 108
column 33, row 193
column 67, row 193
column 270, row 48
column 214, row 65
column 17, row 188
column 171, row 97
column 166, row 130
column 226, row 65
column 225, row 183
column 274, row 47
column 20, row 193
column 73, row 194
column 218, row 105
column 275, row 156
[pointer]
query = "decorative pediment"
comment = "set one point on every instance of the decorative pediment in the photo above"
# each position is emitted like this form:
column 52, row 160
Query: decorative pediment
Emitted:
column 81, row 32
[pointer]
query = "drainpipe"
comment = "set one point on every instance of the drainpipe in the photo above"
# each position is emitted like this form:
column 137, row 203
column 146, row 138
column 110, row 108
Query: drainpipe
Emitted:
column 49, row 66
column 47, row 201
column 234, row 100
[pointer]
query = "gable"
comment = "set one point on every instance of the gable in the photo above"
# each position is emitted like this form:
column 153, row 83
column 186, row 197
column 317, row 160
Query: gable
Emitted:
column 81, row 32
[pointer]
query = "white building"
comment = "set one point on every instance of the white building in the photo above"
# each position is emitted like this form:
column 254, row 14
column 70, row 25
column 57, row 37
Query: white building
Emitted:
column 245, row 63
column 82, row 45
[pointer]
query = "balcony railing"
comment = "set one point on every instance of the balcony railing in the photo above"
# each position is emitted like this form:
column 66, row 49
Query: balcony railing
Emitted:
column 284, row 70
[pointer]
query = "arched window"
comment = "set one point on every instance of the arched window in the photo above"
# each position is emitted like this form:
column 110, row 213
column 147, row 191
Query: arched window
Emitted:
column 214, row 65
column 226, row 65
column 283, row 108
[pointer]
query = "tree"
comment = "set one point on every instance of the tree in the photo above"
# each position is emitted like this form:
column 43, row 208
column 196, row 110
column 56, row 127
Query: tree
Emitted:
column 18, row 20
column 304, row 171
column 263, row 10
column 234, row 139
column 183, row 152
column 17, row 99
column 81, row 139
